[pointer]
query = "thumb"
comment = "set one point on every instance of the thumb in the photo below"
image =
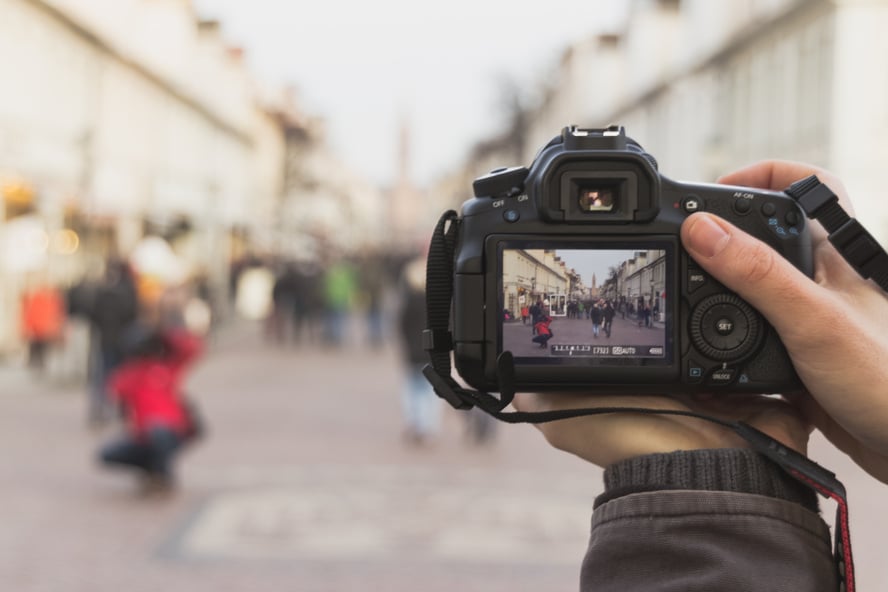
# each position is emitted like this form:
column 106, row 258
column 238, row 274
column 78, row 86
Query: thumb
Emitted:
column 756, row 272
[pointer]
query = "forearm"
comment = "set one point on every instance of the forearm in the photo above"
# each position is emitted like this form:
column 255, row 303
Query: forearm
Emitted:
column 706, row 520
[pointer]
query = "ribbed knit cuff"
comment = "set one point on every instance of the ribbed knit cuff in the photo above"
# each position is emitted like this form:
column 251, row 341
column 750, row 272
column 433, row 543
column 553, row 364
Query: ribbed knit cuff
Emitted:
column 729, row 469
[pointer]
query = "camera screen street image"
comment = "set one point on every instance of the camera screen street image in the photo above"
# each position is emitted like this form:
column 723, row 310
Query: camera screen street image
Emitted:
column 584, row 303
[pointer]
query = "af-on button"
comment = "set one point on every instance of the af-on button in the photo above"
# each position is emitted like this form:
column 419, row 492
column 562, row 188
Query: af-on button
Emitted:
column 742, row 205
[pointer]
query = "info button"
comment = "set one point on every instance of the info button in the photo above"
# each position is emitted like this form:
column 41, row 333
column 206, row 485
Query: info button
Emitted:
column 696, row 279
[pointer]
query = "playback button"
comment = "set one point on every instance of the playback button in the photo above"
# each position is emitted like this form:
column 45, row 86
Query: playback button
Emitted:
column 694, row 371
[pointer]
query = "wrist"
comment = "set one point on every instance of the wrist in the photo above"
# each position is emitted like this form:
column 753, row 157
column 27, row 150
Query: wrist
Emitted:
column 729, row 469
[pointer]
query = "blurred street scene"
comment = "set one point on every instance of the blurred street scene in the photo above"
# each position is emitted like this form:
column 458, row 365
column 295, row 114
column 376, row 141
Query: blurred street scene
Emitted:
column 305, row 480
column 153, row 185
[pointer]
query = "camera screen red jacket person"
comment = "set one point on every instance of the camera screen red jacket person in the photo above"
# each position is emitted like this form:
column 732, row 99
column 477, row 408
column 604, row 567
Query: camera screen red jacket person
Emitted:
column 542, row 326
column 148, row 384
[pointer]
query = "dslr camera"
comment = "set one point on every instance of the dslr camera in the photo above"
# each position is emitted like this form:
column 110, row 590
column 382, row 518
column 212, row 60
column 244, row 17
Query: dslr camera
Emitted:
column 574, row 266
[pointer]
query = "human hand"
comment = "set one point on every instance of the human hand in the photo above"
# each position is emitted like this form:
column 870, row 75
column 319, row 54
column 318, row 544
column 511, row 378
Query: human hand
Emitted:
column 835, row 327
column 606, row 439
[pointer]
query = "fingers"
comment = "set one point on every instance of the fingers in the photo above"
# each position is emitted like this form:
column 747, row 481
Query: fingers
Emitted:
column 780, row 174
column 756, row 272
column 868, row 458
column 771, row 174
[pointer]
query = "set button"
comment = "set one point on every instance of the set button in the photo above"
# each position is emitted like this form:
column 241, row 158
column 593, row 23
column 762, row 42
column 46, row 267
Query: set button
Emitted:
column 723, row 327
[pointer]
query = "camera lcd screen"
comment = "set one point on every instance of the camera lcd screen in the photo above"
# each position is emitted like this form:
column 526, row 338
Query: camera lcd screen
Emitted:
column 601, row 305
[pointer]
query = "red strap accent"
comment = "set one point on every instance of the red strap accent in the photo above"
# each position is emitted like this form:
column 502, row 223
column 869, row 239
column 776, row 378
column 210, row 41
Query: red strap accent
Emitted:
column 844, row 531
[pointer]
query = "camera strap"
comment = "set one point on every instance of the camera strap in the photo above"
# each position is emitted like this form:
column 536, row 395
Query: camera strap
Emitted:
column 847, row 234
column 437, row 340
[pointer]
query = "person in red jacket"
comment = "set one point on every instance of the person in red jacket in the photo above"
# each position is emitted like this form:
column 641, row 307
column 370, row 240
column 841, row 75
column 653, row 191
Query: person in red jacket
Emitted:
column 158, row 420
column 43, row 323
column 543, row 332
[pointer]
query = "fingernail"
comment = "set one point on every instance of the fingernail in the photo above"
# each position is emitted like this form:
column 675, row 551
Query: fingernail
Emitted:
column 706, row 236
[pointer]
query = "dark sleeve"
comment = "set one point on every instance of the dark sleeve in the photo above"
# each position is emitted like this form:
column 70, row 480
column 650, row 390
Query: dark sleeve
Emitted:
column 726, row 520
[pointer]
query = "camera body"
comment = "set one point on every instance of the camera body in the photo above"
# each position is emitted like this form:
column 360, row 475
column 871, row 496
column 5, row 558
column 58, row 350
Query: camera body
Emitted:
column 575, row 267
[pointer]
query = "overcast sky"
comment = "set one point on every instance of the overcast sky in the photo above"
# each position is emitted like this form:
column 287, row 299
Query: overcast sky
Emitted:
column 365, row 66
column 597, row 262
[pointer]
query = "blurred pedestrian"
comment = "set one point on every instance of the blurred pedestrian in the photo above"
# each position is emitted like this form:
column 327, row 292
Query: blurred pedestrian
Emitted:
column 158, row 419
column 373, row 281
column 536, row 311
column 608, row 313
column 420, row 404
column 340, row 288
column 81, row 341
column 284, row 298
column 597, row 316
column 114, row 310
column 309, row 309
column 480, row 427
column 43, row 322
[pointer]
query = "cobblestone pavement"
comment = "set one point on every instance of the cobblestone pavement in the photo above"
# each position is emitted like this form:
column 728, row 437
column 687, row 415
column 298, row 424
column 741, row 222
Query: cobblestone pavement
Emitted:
column 304, row 483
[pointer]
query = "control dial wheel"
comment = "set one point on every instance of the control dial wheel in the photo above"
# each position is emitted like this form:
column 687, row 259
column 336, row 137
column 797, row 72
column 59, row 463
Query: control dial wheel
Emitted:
column 725, row 328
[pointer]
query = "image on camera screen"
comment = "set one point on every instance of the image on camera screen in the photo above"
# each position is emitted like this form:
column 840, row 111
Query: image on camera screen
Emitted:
column 601, row 305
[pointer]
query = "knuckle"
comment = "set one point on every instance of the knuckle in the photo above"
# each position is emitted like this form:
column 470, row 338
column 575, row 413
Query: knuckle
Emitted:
column 756, row 264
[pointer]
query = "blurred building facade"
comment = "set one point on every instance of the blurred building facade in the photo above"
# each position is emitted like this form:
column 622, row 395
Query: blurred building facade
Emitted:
column 122, row 118
column 535, row 274
column 707, row 87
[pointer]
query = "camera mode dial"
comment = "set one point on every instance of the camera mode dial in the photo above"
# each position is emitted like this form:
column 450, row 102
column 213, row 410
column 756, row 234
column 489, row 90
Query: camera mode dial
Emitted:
column 725, row 328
